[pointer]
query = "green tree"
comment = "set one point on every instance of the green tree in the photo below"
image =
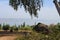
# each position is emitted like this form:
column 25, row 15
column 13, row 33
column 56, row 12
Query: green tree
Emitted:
column 0, row 27
column 58, row 25
column 32, row 6
column 11, row 29
column 14, row 27
column 19, row 26
column 6, row 27
column 24, row 24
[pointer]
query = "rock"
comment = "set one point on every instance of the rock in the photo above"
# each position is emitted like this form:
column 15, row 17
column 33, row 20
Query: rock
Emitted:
column 41, row 28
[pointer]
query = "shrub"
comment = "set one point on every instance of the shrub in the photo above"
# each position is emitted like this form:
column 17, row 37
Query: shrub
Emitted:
column 41, row 28
column 11, row 29
column 16, row 29
column 0, row 27
column 6, row 27
column 26, row 28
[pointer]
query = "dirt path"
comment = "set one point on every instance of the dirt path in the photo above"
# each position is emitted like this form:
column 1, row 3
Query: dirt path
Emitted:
column 7, row 37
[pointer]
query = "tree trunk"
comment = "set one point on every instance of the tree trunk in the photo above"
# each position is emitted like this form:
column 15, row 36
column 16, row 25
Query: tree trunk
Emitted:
column 57, row 4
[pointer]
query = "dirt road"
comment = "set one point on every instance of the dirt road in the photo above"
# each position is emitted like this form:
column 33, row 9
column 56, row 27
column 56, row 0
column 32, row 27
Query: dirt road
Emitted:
column 11, row 35
column 7, row 38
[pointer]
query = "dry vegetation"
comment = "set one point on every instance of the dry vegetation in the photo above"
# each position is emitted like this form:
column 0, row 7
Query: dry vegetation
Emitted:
column 37, row 32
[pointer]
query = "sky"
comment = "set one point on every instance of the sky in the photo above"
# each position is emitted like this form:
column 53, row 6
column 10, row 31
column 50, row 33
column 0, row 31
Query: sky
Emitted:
column 47, row 12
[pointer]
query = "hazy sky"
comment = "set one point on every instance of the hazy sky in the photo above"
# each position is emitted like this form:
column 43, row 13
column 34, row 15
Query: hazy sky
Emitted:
column 47, row 12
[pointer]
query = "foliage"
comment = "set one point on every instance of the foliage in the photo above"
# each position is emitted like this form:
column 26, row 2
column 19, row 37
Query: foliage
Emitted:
column 0, row 27
column 26, row 28
column 19, row 27
column 29, row 5
column 6, row 27
column 16, row 29
column 11, row 29
column 58, row 26
column 54, row 33
column 24, row 24
column 41, row 28
column 32, row 36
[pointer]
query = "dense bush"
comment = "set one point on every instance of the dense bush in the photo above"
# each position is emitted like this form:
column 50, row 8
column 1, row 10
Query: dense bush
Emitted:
column 27, row 27
column 6, row 27
column 16, row 29
column 11, row 29
column 41, row 28
column 0, row 27
column 54, row 35
column 51, row 32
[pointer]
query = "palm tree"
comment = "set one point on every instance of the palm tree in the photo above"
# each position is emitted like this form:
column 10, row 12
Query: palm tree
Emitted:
column 31, row 5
